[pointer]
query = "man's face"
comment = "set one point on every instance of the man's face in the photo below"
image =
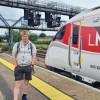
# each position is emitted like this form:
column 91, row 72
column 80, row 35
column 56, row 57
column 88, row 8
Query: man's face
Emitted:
column 25, row 38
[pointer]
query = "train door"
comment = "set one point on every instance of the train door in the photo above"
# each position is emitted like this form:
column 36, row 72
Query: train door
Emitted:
column 75, row 41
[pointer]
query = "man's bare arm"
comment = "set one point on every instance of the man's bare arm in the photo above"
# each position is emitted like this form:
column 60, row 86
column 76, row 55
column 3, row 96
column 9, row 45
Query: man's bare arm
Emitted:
column 33, row 60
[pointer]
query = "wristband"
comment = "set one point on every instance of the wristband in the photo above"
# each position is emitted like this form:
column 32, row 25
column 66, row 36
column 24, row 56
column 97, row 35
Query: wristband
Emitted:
column 32, row 65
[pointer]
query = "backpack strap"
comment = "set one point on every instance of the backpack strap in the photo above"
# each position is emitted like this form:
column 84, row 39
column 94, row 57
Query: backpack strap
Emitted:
column 31, row 47
column 18, row 49
column 18, row 44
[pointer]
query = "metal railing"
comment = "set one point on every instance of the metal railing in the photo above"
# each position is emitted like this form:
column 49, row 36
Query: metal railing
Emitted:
column 51, row 6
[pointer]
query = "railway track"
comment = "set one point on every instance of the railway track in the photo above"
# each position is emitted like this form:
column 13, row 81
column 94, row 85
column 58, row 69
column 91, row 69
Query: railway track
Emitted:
column 41, row 57
column 41, row 53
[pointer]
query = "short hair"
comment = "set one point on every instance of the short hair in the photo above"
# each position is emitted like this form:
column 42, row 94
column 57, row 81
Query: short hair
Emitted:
column 24, row 32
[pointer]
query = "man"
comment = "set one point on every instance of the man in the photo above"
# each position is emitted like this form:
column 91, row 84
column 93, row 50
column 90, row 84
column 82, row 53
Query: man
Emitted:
column 23, row 54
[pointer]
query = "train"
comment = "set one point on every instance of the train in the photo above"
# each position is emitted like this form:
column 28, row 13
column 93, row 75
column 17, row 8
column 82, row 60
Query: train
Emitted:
column 76, row 47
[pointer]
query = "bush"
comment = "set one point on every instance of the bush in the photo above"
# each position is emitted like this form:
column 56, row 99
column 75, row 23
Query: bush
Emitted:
column 4, row 48
column 42, row 42
column 32, row 37
column 43, row 46
column 42, row 35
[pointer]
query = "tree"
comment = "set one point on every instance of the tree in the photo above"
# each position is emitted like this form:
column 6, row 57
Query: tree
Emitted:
column 6, row 35
column 32, row 37
column 16, row 35
column 42, row 35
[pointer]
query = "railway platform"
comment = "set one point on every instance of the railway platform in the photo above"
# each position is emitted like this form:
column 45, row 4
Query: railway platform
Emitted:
column 47, row 85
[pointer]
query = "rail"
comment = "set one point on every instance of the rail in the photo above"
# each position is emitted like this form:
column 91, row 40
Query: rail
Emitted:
column 44, row 6
column 41, row 53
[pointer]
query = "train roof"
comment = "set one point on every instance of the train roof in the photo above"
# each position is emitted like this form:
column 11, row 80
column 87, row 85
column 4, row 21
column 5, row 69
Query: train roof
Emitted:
column 89, row 12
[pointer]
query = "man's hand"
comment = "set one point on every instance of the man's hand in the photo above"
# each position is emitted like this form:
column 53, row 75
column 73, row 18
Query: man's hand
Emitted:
column 33, row 68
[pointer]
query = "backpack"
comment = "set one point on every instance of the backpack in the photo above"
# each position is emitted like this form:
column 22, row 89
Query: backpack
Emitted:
column 18, row 49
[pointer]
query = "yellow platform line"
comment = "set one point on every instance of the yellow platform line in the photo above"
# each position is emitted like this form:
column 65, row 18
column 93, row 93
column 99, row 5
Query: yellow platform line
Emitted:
column 49, row 91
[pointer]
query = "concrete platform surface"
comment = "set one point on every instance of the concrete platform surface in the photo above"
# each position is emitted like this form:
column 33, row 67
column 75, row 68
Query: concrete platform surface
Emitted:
column 46, row 89
column 5, row 91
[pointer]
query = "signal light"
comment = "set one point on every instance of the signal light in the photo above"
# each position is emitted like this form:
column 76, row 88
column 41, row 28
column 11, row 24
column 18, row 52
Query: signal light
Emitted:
column 37, row 19
column 26, row 11
column 47, row 16
column 32, row 17
column 28, row 14
column 58, row 21
column 31, row 14
column 30, row 22
column 49, row 24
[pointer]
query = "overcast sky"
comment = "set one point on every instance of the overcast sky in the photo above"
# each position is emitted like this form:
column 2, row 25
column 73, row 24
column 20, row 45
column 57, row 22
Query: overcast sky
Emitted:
column 82, row 3
column 13, row 13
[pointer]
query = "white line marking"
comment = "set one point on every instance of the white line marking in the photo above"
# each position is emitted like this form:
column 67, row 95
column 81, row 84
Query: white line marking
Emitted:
column 1, row 96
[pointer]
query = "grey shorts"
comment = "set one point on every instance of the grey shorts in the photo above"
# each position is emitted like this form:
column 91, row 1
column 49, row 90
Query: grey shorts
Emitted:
column 21, row 73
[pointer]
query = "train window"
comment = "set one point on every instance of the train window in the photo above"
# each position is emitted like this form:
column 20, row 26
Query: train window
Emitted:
column 75, row 35
column 59, row 34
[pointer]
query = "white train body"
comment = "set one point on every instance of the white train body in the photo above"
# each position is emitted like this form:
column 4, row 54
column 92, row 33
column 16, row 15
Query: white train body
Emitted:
column 76, row 46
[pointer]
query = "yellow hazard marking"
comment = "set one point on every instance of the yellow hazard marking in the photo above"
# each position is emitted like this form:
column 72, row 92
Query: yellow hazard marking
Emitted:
column 81, row 23
column 81, row 59
column 49, row 91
